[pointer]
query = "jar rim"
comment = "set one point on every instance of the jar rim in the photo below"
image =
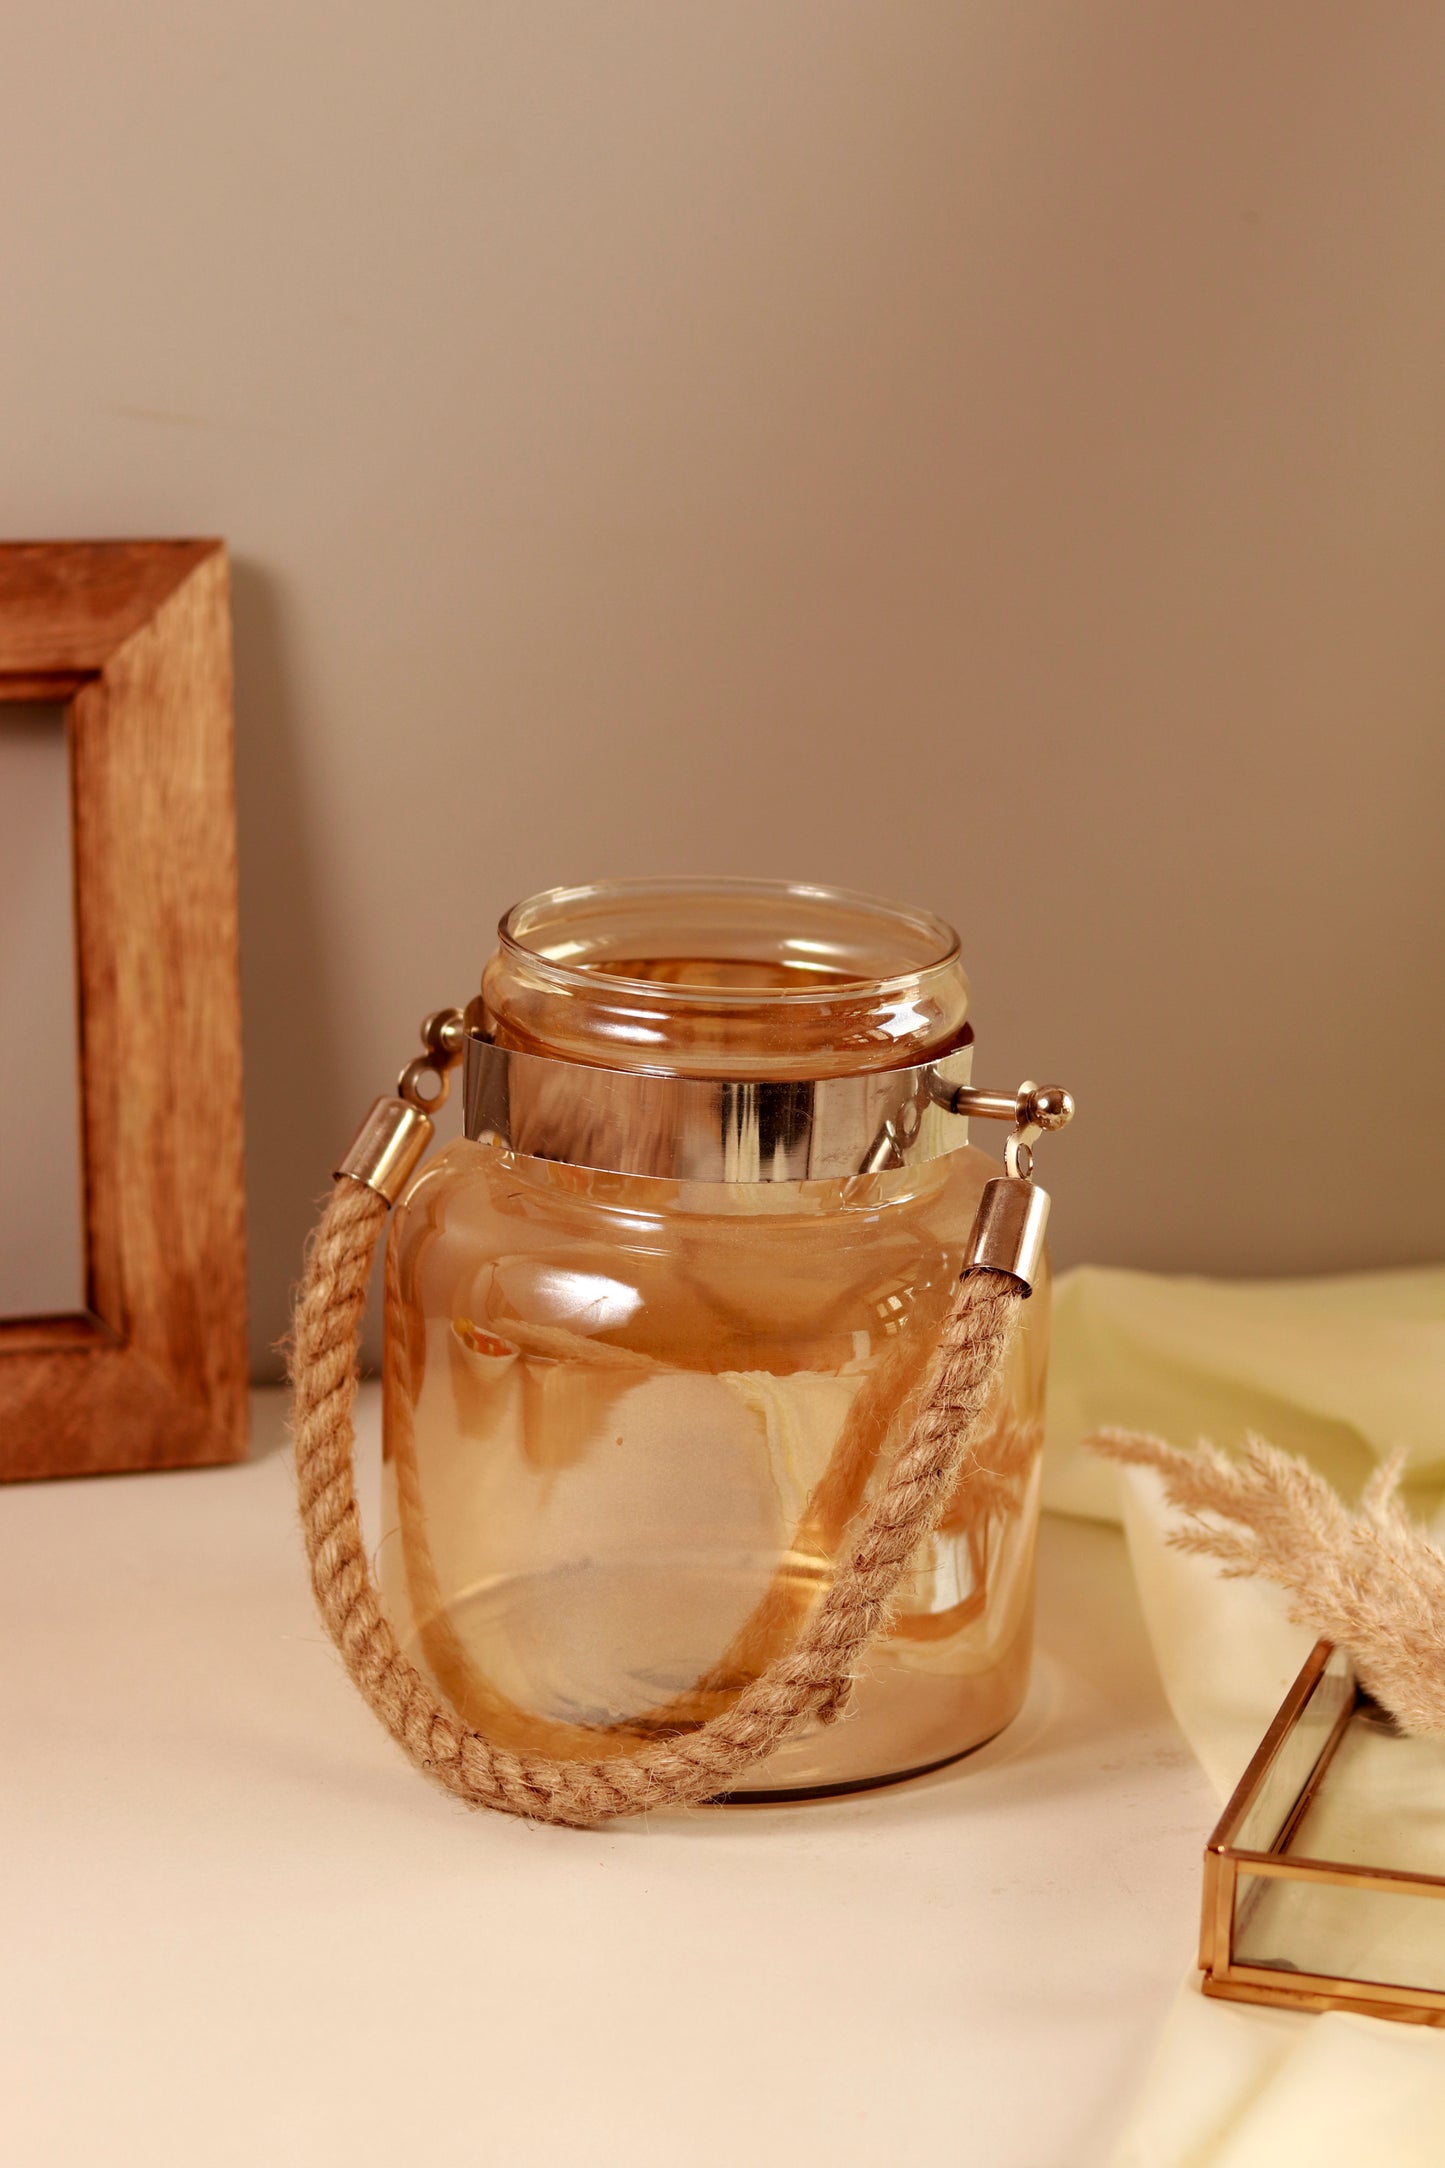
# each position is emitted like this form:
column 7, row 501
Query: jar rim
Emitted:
column 940, row 943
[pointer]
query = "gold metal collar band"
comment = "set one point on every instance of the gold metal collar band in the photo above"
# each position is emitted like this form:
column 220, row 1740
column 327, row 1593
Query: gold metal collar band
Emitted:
column 757, row 1129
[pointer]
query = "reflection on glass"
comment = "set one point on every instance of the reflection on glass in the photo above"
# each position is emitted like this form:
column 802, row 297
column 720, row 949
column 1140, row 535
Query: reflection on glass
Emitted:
column 42, row 1258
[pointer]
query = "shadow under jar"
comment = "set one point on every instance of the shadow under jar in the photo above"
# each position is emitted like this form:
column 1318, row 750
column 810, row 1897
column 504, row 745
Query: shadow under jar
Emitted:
column 654, row 1325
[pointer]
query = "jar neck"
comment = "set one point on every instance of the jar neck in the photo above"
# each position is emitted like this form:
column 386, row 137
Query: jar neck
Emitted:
column 738, row 979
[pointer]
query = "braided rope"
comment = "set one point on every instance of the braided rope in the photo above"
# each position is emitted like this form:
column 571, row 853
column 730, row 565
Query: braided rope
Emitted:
column 812, row 1680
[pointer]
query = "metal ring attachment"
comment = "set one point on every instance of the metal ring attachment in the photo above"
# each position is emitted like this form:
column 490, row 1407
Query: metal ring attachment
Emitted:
column 442, row 1035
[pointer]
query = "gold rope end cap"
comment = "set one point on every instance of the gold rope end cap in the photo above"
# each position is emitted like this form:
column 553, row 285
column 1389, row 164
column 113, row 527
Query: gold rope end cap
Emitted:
column 386, row 1148
column 1008, row 1230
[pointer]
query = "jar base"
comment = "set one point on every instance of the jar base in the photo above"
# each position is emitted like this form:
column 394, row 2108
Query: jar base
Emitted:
column 803, row 1794
column 542, row 1660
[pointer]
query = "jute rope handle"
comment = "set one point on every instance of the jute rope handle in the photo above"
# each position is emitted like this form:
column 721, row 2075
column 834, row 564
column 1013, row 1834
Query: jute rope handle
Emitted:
column 813, row 1680
column 809, row 1682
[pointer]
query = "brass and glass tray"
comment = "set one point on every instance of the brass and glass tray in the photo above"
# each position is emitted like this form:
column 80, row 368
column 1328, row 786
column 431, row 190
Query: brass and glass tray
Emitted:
column 1323, row 1881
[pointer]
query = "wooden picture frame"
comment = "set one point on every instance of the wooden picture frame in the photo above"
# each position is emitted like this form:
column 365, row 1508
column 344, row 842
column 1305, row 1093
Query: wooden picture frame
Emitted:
column 134, row 639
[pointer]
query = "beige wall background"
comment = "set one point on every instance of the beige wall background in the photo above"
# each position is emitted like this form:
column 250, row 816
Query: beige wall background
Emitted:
column 988, row 453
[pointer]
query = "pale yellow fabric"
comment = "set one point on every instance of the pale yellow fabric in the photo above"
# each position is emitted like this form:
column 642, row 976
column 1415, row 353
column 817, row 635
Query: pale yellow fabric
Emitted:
column 1239, row 2088
column 1341, row 1370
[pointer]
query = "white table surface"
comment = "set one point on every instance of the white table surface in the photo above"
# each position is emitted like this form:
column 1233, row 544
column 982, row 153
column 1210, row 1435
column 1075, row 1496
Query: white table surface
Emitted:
column 237, row 1928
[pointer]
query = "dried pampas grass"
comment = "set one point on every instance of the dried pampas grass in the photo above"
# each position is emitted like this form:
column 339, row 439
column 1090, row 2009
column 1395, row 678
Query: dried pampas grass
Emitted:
column 1370, row 1580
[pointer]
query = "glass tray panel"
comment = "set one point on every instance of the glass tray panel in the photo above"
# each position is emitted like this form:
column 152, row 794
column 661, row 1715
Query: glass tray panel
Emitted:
column 1389, row 1937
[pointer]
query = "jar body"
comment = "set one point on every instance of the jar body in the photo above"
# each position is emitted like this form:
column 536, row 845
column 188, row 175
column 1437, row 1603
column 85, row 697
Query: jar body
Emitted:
column 628, row 1423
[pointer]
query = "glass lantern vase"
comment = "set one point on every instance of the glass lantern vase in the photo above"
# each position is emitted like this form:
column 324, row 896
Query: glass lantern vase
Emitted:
column 655, row 1325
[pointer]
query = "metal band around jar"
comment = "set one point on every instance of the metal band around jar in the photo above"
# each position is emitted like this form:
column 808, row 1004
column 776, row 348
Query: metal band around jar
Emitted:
column 708, row 1129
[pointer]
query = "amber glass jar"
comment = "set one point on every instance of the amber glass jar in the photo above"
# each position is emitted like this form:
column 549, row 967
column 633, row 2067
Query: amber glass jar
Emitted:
column 653, row 1324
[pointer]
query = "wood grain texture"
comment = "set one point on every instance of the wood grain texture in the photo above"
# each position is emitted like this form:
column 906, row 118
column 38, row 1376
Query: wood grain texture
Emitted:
column 155, row 1375
column 71, row 606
